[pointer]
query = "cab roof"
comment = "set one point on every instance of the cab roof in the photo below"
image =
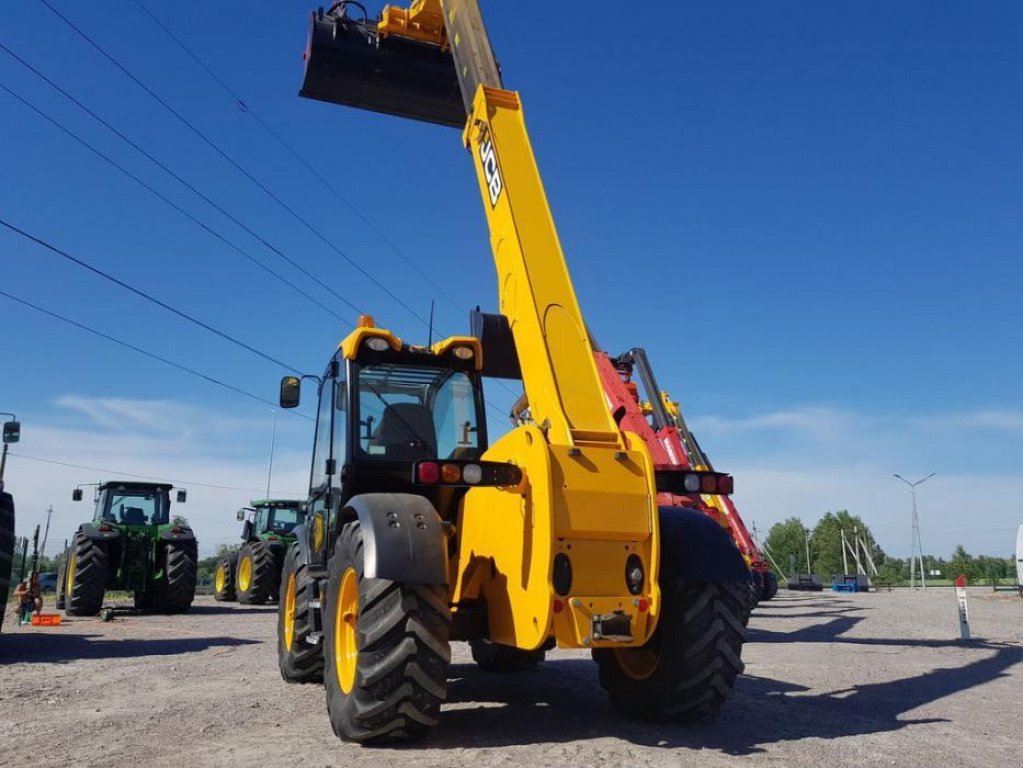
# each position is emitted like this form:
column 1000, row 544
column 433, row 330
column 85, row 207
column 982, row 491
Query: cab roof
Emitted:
column 135, row 485
column 294, row 503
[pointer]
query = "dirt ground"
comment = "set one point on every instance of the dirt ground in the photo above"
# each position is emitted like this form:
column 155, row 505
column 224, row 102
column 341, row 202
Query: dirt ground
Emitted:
column 831, row 680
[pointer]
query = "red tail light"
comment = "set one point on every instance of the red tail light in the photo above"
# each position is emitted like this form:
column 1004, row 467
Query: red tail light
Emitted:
column 726, row 485
column 104, row 528
column 428, row 472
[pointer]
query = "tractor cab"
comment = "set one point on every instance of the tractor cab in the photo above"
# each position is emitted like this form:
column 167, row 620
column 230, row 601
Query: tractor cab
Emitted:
column 396, row 418
column 133, row 504
column 271, row 517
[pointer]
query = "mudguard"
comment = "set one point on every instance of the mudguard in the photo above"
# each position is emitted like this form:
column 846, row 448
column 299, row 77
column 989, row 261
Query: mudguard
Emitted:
column 696, row 548
column 92, row 532
column 402, row 537
column 184, row 534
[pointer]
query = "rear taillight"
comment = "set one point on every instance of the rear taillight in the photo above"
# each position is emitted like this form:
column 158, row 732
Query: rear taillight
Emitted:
column 427, row 472
column 177, row 529
column 104, row 528
column 726, row 485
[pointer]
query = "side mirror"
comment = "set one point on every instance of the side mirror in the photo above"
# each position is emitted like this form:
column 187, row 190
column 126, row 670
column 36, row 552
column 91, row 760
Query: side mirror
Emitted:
column 241, row 515
column 76, row 494
column 12, row 431
column 182, row 496
column 291, row 391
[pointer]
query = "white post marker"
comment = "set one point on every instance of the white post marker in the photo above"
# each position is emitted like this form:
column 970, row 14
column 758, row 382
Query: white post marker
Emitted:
column 964, row 615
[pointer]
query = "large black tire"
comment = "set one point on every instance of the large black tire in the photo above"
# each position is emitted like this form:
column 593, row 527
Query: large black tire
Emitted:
column 181, row 570
column 299, row 660
column 687, row 670
column 86, row 576
column 224, row 579
column 770, row 586
column 401, row 651
column 494, row 657
column 256, row 582
column 6, row 550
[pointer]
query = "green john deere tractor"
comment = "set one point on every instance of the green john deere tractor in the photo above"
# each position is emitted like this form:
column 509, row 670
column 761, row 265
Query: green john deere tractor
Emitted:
column 252, row 575
column 131, row 544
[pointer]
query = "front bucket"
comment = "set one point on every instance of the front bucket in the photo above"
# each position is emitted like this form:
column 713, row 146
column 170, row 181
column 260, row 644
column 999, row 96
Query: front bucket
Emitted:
column 346, row 63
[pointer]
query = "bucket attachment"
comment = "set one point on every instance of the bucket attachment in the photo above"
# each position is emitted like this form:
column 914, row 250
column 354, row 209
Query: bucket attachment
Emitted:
column 346, row 62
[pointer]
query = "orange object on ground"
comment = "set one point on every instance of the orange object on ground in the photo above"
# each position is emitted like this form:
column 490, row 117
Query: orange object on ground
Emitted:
column 45, row 619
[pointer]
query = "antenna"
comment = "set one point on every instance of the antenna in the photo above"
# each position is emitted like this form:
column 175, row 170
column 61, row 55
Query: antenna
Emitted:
column 429, row 341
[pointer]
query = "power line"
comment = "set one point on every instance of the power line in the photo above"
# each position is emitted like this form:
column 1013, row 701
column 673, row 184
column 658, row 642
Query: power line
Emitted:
column 57, row 124
column 145, row 352
column 244, row 107
column 209, row 142
column 140, row 477
column 146, row 296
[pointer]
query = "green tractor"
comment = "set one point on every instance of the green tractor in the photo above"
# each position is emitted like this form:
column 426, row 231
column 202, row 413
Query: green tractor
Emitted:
column 131, row 544
column 252, row 575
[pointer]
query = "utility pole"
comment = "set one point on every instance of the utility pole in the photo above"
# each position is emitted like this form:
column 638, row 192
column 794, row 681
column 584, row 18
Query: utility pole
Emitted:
column 808, row 569
column 46, row 535
column 845, row 560
column 916, row 553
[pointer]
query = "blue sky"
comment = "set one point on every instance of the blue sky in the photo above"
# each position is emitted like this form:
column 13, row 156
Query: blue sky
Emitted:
column 810, row 214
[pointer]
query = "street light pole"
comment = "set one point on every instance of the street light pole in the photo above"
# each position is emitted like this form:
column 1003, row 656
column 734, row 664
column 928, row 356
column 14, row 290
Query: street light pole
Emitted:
column 808, row 569
column 916, row 550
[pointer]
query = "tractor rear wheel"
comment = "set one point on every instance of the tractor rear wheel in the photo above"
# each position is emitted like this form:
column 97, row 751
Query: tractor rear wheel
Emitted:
column 494, row 657
column 6, row 549
column 224, row 578
column 688, row 667
column 300, row 661
column 85, row 576
column 181, row 571
column 256, row 574
column 386, row 648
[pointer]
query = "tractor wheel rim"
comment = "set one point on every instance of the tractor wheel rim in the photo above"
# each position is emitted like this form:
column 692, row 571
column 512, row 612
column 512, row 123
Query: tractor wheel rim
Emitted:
column 289, row 613
column 220, row 578
column 245, row 574
column 638, row 663
column 346, row 618
column 72, row 564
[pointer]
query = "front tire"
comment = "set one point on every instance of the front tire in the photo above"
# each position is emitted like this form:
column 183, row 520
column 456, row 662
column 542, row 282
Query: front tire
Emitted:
column 770, row 586
column 299, row 661
column 256, row 574
column 224, row 580
column 386, row 650
column 688, row 668
column 86, row 576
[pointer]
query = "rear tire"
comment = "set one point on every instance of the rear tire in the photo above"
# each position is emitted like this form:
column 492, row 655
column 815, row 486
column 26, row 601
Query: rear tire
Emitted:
column 85, row 576
column 256, row 574
column 387, row 643
column 503, row 659
column 687, row 670
column 299, row 661
column 224, row 580
column 770, row 586
column 6, row 550
column 181, row 571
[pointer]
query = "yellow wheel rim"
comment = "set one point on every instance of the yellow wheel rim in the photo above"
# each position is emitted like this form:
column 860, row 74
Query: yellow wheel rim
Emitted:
column 220, row 578
column 638, row 663
column 346, row 617
column 70, row 583
column 245, row 574
column 289, row 612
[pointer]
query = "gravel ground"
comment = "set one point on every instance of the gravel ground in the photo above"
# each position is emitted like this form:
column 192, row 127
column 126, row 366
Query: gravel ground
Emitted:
column 831, row 680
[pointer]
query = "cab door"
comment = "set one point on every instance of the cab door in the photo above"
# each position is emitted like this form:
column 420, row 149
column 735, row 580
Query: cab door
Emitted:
column 328, row 458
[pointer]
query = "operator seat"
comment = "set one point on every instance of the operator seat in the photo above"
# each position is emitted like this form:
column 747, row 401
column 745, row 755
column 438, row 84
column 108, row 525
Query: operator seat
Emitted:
column 406, row 433
column 133, row 516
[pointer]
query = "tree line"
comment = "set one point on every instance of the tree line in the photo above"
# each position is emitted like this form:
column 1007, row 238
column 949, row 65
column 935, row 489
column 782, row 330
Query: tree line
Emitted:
column 787, row 543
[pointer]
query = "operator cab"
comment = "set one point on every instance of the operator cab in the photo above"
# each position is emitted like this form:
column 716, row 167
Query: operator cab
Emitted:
column 133, row 504
column 396, row 418
column 279, row 516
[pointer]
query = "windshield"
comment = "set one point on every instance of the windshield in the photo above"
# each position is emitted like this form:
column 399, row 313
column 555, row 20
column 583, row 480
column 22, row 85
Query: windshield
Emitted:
column 136, row 507
column 283, row 519
column 408, row 413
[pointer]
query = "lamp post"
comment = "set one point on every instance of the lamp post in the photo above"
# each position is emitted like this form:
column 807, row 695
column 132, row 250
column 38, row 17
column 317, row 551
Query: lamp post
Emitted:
column 11, row 434
column 809, row 570
column 916, row 550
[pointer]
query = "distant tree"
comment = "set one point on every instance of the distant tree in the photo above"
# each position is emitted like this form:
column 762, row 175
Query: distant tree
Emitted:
column 180, row 520
column 826, row 543
column 787, row 544
column 962, row 563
